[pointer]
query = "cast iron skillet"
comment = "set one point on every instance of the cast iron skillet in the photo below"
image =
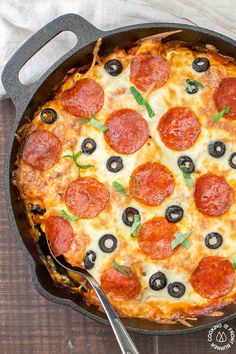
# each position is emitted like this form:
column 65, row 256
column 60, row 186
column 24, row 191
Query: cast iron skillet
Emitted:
column 28, row 98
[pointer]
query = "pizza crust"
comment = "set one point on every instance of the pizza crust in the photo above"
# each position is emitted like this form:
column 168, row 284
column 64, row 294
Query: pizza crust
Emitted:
column 49, row 187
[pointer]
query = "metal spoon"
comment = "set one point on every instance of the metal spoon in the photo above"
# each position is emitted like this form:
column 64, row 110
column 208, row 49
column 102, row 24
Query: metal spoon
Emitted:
column 126, row 344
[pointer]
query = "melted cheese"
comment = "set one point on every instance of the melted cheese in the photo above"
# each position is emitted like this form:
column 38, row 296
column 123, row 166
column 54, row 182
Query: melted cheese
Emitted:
column 48, row 188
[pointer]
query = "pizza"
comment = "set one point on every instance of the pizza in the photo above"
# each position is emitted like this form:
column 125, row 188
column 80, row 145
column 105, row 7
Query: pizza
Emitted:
column 130, row 171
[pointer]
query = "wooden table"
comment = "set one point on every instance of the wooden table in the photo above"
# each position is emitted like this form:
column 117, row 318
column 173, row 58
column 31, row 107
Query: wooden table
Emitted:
column 29, row 324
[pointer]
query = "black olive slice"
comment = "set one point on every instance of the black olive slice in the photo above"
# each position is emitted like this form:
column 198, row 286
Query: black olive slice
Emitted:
column 157, row 281
column 108, row 243
column 113, row 67
column 187, row 163
column 194, row 87
column 176, row 289
column 48, row 115
column 128, row 215
column 114, row 164
column 174, row 213
column 216, row 149
column 88, row 146
column 200, row 64
column 36, row 209
column 213, row 240
column 232, row 160
column 89, row 259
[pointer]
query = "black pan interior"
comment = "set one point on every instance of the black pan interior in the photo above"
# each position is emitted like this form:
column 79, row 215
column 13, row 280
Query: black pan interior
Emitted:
column 118, row 38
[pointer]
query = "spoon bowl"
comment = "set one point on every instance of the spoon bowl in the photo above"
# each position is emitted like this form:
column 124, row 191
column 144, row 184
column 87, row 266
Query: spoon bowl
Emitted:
column 123, row 338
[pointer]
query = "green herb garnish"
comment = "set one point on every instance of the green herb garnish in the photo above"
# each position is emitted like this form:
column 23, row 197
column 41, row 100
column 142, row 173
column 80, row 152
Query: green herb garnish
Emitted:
column 220, row 114
column 187, row 176
column 181, row 239
column 119, row 267
column 188, row 85
column 75, row 157
column 68, row 216
column 141, row 100
column 119, row 188
column 96, row 124
column 234, row 264
column 84, row 120
column 134, row 230
column 198, row 83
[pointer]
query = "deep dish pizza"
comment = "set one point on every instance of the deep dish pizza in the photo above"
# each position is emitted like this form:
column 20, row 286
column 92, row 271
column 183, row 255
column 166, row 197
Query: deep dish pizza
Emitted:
column 130, row 170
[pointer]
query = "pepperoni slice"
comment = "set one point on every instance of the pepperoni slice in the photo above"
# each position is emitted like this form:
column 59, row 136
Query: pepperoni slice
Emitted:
column 225, row 97
column 213, row 195
column 151, row 183
column 179, row 128
column 119, row 284
column 147, row 70
column 41, row 150
column 84, row 99
column 86, row 197
column 155, row 238
column 127, row 131
column 60, row 234
column 213, row 277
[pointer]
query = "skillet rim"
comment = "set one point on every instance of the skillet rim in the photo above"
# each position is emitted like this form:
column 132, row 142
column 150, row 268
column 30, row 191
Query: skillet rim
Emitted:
column 7, row 187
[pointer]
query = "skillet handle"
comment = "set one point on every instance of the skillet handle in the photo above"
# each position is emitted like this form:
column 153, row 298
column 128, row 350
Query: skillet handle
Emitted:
column 85, row 33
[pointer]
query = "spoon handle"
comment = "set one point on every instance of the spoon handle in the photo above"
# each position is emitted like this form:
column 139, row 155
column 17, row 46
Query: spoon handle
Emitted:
column 125, row 342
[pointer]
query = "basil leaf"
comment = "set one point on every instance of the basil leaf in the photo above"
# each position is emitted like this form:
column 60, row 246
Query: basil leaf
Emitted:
column 188, row 84
column 67, row 216
column 220, row 114
column 119, row 267
column 198, row 83
column 119, row 188
column 134, row 230
column 75, row 157
column 187, row 234
column 175, row 243
column 186, row 243
column 84, row 120
column 187, row 176
column 85, row 166
column 74, row 160
column 137, row 95
column 181, row 239
column 96, row 124
column 149, row 110
column 234, row 264
column 141, row 100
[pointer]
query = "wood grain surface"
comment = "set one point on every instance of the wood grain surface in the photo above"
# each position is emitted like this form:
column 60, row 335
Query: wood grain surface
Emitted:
column 29, row 324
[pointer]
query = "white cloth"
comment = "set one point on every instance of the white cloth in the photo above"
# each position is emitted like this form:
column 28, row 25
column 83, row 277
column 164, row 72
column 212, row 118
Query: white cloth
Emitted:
column 20, row 18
